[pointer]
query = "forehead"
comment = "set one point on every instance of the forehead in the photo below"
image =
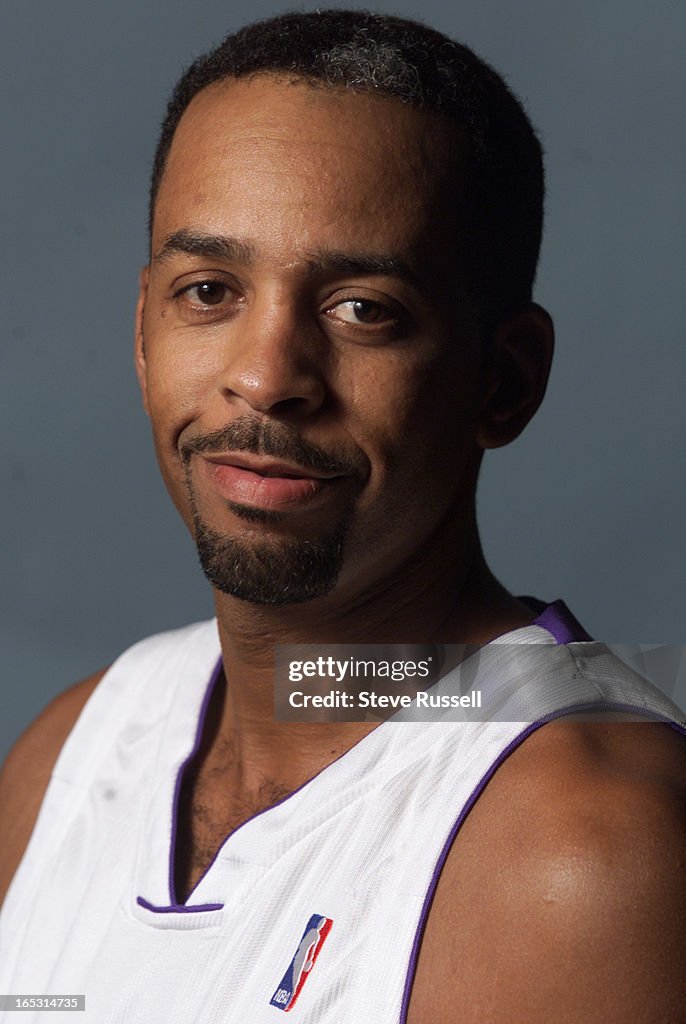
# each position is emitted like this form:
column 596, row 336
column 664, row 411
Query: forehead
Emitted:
column 293, row 164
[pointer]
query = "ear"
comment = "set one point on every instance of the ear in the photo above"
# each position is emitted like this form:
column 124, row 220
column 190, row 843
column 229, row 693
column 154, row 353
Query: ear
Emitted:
column 516, row 374
column 139, row 348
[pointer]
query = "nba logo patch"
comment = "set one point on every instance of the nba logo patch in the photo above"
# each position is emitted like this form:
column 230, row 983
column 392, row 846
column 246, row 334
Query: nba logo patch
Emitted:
column 301, row 965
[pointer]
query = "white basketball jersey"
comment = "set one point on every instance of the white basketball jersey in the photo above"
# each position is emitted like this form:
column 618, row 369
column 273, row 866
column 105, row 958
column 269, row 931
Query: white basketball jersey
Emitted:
column 315, row 906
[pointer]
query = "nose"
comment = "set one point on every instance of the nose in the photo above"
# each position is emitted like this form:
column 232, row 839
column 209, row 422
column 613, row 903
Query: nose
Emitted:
column 274, row 361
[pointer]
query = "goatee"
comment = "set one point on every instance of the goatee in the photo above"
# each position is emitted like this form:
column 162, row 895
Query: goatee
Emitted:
column 274, row 570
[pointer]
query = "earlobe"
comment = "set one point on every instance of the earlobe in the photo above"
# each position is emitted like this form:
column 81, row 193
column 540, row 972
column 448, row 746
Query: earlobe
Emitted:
column 139, row 348
column 516, row 375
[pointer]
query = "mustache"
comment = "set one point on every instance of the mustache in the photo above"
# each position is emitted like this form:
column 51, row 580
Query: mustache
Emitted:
column 265, row 437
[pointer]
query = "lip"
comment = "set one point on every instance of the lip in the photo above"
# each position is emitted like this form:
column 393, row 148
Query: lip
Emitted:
column 264, row 483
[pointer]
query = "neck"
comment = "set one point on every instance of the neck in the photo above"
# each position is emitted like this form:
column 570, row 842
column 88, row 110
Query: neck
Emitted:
column 428, row 599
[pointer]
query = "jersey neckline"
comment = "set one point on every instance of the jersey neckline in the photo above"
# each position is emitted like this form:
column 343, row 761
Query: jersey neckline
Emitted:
column 158, row 833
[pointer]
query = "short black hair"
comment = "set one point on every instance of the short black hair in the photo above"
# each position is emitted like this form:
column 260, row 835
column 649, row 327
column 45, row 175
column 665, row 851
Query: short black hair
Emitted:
column 502, row 199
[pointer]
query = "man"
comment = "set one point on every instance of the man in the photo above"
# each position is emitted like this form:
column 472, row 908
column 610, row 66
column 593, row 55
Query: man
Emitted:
column 335, row 323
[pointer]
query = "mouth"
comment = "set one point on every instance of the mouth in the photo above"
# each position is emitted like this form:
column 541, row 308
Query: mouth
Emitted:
column 265, row 483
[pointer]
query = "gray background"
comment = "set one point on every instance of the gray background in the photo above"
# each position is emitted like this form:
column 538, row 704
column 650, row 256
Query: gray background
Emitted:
column 588, row 505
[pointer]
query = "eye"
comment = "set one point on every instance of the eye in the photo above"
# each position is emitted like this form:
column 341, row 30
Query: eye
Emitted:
column 205, row 293
column 359, row 312
column 363, row 311
column 207, row 299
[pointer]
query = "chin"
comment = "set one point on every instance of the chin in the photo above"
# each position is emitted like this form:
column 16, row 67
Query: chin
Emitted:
column 270, row 571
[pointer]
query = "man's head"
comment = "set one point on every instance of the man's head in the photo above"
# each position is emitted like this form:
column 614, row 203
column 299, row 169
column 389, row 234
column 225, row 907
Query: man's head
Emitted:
column 312, row 325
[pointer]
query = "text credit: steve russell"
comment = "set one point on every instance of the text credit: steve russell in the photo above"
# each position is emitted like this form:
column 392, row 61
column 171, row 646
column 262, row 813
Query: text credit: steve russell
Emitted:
column 356, row 682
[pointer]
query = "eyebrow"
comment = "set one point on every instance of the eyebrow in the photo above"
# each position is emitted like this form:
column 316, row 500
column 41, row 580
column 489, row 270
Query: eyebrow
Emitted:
column 196, row 243
column 361, row 263
column 226, row 247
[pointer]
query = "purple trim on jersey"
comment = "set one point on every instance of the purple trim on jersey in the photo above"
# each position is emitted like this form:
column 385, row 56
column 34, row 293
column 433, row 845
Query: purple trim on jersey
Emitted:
column 265, row 810
column 177, row 791
column 258, row 814
column 559, row 621
column 178, row 908
column 474, row 796
column 200, row 728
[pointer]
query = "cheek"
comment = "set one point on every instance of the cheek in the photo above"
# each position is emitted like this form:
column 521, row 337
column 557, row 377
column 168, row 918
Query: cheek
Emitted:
column 417, row 429
column 411, row 414
column 178, row 381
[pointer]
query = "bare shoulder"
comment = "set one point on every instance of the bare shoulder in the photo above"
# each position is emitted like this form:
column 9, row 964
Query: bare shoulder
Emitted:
column 26, row 771
column 564, row 895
